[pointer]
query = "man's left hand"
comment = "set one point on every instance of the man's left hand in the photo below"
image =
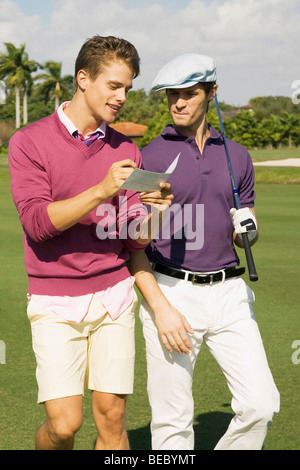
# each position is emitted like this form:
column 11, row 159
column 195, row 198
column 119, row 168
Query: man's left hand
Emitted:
column 244, row 222
column 161, row 200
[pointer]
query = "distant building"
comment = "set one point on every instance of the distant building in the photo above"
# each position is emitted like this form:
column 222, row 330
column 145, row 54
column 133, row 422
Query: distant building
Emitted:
column 131, row 129
column 234, row 112
column 247, row 107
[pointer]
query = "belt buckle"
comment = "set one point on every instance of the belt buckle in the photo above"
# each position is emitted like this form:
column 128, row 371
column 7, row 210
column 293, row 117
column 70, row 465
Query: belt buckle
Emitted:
column 194, row 276
column 211, row 278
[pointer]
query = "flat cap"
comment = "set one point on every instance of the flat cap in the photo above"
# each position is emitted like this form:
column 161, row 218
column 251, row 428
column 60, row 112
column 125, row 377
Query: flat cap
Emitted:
column 184, row 71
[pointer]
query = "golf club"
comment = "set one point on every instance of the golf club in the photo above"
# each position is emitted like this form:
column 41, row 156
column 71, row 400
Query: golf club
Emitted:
column 250, row 262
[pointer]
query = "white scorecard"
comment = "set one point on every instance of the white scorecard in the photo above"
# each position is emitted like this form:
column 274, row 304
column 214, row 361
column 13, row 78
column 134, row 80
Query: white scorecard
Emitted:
column 144, row 181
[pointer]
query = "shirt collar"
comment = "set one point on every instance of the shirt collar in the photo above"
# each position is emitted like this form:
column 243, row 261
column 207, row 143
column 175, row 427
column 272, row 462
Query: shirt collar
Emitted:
column 71, row 128
column 169, row 131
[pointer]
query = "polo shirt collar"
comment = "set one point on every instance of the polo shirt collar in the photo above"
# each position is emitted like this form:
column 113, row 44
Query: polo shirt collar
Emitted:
column 169, row 131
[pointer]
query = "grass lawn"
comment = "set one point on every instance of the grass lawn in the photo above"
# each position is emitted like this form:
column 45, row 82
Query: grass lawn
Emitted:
column 262, row 155
column 277, row 305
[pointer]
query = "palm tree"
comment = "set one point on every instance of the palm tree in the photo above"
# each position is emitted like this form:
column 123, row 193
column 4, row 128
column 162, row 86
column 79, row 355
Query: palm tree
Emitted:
column 54, row 86
column 16, row 69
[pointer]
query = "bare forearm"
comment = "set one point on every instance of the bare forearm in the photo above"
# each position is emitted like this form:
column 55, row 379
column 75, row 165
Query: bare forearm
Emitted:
column 140, row 268
column 64, row 214
column 172, row 326
column 148, row 229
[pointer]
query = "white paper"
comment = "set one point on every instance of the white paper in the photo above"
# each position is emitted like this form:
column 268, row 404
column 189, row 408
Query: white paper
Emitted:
column 144, row 181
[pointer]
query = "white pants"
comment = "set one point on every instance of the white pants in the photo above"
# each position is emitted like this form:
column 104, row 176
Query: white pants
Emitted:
column 221, row 315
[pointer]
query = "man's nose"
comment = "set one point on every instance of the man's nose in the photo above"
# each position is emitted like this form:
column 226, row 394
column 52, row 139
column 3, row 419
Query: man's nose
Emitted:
column 121, row 95
column 180, row 103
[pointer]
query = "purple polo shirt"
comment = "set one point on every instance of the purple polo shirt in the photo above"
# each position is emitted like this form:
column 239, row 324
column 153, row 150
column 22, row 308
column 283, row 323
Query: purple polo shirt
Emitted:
column 197, row 233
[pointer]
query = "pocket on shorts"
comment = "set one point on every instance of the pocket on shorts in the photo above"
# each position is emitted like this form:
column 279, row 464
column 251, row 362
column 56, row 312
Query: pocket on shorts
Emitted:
column 35, row 311
column 31, row 309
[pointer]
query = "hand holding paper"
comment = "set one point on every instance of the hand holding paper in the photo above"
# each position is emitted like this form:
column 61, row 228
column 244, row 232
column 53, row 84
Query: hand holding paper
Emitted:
column 146, row 181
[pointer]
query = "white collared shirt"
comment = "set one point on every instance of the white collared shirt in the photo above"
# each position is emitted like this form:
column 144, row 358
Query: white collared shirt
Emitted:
column 69, row 124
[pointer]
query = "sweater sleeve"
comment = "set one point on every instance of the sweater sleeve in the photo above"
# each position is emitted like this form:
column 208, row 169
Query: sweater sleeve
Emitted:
column 30, row 188
column 131, row 213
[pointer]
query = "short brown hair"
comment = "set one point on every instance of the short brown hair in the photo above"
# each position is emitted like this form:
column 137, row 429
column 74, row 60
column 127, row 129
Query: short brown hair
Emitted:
column 207, row 86
column 98, row 51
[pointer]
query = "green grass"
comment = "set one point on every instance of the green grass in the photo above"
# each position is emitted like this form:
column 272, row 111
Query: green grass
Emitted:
column 277, row 311
column 261, row 155
column 277, row 175
column 273, row 174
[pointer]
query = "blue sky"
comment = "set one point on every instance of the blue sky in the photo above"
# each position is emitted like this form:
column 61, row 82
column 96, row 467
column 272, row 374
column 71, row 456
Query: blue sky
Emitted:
column 254, row 42
column 44, row 8
column 33, row 7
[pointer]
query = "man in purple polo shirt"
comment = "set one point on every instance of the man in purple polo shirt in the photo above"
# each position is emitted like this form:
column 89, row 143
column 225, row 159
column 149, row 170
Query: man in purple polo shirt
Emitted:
column 195, row 292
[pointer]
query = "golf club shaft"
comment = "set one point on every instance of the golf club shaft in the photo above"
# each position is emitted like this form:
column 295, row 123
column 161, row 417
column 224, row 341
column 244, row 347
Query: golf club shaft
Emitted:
column 249, row 258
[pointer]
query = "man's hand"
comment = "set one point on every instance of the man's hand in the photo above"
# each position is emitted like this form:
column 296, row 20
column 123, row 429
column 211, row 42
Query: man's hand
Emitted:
column 115, row 177
column 161, row 200
column 173, row 329
column 244, row 222
column 172, row 326
column 66, row 213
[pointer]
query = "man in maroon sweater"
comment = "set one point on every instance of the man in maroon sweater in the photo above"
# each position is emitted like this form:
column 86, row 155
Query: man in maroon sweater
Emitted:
column 81, row 296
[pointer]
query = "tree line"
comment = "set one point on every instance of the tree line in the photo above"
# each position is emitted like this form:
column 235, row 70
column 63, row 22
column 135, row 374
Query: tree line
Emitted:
column 34, row 90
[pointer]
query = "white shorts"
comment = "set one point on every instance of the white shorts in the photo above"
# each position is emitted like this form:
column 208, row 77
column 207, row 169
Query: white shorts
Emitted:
column 97, row 353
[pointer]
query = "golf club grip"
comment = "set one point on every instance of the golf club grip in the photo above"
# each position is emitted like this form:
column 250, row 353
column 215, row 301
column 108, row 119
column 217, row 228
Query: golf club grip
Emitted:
column 250, row 262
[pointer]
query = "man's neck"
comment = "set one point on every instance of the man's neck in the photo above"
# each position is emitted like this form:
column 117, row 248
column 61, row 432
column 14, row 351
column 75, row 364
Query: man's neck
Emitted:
column 78, row 114
column 200, row 132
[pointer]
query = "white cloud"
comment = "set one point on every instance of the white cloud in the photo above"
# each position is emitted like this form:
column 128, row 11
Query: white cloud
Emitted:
column 253, row 41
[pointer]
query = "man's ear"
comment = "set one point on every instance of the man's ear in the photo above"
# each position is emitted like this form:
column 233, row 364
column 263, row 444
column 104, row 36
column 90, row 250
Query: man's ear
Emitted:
column 82, row 79
column 213, row 92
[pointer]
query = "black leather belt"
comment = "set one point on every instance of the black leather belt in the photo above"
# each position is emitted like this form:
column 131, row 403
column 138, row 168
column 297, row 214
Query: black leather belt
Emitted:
column 198, row 278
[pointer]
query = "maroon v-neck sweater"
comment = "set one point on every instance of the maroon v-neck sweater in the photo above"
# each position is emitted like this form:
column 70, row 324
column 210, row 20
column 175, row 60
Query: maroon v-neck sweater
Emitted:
column 47, row 164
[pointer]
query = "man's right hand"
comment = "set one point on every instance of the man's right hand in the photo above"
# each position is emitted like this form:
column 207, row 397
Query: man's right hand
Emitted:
column 115, row 177
column 173, row 329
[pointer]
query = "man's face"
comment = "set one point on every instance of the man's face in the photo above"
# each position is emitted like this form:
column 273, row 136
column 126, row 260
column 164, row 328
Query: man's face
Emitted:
column 105, row 96
column 188, row 106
